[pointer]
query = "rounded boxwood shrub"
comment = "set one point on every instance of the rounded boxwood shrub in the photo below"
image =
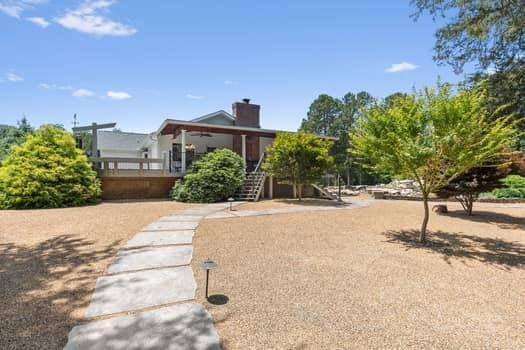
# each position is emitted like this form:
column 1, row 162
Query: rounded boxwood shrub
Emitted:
column 513, row 187
column 213, row 178
column 47, row 171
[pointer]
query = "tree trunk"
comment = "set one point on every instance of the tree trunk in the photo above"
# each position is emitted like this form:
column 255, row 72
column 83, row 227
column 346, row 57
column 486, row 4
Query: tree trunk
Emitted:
column 470, row 203
column 423, row 234
column 294, row 190
column 300, row 191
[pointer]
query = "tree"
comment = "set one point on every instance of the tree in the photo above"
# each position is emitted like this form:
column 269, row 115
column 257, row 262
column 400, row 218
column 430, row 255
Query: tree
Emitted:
column 298, row 159
column 432, row 136
column 11, row 135
column 213, row 178
column 321, row 116
column 47, row 171
column 489, row 32
column 467, row 186
column 331, row 116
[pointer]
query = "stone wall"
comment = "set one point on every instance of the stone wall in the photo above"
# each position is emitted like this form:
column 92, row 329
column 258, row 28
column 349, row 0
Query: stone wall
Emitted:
column 136, row 187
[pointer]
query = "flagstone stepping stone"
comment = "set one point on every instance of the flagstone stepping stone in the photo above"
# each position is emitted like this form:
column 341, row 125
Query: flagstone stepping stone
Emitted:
column 181, row 218
column 183, row 326
column 154, row 238
column 171, row 225
column 151, row 257
column 137, row 290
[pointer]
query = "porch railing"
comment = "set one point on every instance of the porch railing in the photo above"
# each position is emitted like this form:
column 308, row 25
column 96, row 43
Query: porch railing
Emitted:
column 117, row 166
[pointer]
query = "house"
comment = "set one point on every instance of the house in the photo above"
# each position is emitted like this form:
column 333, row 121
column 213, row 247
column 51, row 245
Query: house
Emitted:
column 134, row 165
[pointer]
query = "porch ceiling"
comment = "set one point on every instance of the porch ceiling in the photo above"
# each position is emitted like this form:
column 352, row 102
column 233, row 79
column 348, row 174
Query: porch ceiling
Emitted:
column 174, row 128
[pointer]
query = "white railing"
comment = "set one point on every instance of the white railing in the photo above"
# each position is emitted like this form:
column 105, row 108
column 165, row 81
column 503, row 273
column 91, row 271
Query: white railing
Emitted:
column 259, row 163
column 118, row 166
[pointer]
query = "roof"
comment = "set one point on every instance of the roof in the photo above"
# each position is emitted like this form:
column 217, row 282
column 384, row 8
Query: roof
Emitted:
column 228, row 118
column 173, row 126
column 121, row 141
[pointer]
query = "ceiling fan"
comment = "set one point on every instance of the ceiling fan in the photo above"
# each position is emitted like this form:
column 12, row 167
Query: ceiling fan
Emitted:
column 202, row 134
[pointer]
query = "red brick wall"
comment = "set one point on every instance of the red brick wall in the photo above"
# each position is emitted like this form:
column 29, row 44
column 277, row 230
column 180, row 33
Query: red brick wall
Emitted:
column 246, row 114
column 136, row 187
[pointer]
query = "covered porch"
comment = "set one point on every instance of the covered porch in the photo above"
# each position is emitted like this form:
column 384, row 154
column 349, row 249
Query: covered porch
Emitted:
column 183, row 142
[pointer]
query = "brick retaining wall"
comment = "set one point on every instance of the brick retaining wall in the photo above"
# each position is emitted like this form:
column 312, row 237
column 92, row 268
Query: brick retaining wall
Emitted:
column 136, row 187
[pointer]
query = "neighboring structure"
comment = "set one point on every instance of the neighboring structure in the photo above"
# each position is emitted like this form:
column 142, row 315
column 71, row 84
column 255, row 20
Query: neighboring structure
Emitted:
column 146, row 165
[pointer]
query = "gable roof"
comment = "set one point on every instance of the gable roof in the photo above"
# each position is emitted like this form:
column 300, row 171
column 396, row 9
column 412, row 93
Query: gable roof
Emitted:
column 215, row 117
column 121, row 141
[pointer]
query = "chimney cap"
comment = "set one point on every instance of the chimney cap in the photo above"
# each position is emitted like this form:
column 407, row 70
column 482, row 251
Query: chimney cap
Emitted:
column 246, row 100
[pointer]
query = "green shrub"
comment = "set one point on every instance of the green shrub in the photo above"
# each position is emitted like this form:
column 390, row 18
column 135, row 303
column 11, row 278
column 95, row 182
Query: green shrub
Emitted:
column 513, row 187
column 213, row 178
column 47, row 171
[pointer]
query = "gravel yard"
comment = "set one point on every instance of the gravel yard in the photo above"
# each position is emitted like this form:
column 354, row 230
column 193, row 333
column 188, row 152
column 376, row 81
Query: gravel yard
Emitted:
column 50, row 260
column 351, row 279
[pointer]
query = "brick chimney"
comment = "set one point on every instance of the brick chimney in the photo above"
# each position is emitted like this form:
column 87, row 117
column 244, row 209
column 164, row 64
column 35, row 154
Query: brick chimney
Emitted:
column 246, row 114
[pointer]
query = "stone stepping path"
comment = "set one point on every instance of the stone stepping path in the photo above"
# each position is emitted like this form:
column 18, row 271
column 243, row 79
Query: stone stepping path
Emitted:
column 137, row 290
column 151, row 271
column 156, row 238
column 151, row 257
column 183, row 326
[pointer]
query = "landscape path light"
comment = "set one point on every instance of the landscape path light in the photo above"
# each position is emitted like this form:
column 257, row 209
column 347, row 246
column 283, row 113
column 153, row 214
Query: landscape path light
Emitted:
column 208, row 265
column 231, row 200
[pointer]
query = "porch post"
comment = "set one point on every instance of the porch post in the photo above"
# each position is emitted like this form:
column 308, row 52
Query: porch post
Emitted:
column 244, row 150
column 183, row 150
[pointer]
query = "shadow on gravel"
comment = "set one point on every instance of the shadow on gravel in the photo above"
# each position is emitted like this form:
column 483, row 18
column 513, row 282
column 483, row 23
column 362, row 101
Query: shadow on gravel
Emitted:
column 218, row 299
column 41, row 285
column 503, row 221
column 492, row 251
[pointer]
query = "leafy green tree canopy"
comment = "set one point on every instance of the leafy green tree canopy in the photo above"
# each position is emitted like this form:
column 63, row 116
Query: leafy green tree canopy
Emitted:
column 47, row 171
column 213, row 178
column 432, row 136
column 11, row 135
column 489, row 32
column 298, row 159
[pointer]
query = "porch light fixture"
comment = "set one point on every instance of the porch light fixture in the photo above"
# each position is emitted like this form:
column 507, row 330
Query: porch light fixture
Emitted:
column 231, row 200
column 208, row 265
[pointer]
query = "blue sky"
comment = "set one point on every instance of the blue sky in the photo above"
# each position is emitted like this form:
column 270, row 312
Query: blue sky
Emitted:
column 139, row 62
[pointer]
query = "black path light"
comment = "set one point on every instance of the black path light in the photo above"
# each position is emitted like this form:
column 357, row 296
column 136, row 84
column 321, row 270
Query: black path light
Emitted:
column 208, row 265
column 231, row 200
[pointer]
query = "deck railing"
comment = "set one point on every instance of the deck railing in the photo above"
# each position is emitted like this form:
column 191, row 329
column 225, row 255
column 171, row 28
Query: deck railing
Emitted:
column 118, row 166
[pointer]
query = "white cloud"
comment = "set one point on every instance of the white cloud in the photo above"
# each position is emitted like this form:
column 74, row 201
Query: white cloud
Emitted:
column 230, row 82
column 90, row 18
column 118, row 95
column 12, row 77
column 401, row 67
column 11, row 10
column 83, row 93
column 39, row 21
column 56, row 87
column 194, row 97
column 14, row 8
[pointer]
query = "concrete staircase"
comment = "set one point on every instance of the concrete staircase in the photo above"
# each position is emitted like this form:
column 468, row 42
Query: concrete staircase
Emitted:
column 252, row 187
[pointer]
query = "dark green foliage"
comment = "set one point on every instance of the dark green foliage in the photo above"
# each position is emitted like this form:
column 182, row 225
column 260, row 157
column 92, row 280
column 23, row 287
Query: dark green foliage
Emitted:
column 467, row 187
column 213, row 178
column 47, row 171
column 513, row 187
column 488, row 32
column 13, row 135
column 330, row 116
